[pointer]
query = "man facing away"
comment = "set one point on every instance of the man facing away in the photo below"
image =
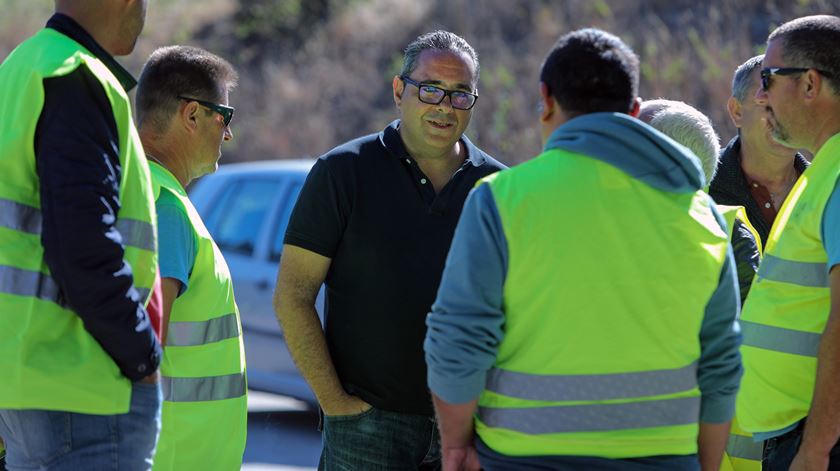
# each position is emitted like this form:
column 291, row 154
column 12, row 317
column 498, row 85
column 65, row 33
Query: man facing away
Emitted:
column 77, row 249
column 755, row 171
column 183, row 117
column 373, row 222
column 559, row 322
column 691, row 128
column 791, row 321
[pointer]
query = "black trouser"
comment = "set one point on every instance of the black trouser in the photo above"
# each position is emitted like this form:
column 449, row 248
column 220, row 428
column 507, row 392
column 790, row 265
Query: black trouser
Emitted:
column 780, row 451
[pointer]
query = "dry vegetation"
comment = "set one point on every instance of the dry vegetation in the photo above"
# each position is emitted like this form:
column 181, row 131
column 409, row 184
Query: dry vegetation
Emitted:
column 331, row 80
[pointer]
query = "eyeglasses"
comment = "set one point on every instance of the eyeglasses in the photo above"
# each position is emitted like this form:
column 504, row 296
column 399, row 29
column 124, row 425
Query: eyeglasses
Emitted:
column 224, row 110
column 432, row 95
column 768, row 73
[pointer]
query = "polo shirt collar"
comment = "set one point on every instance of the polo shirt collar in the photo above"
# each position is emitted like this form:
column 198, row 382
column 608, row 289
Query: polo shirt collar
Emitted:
column 73, row 30
column 393, row 143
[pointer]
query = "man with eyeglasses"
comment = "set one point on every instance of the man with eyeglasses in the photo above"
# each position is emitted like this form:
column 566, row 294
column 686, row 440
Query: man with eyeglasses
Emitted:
column 78, row 262
column 373, row 222
column 183, row 117
column 539, row 356
column 790, row 394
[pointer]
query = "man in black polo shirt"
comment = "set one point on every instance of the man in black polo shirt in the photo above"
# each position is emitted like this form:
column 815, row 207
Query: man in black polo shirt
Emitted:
column 374, row 222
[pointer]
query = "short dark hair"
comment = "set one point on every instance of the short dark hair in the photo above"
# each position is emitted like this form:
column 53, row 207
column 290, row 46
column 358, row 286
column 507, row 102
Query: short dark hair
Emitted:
column 811, row 41
column 743, row 77
column 437, row 41
column 174, row 71
column 590, row 71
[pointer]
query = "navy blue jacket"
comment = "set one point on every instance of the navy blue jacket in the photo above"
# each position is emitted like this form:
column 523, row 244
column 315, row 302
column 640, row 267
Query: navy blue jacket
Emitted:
column 77, row 158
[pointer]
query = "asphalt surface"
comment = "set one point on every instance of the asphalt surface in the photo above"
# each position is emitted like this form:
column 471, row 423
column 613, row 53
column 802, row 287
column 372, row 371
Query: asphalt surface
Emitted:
column 282, row 434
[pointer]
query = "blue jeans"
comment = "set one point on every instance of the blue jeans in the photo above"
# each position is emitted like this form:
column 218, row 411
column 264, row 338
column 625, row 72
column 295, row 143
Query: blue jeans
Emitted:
column 58, row 441
column 380, row 440
column 780, row 451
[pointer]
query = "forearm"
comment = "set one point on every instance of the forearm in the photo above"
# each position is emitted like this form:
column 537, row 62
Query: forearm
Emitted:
column 170, row 287
column 822, row 428
column 711, row 443
column 308, row 346
column 455, row 422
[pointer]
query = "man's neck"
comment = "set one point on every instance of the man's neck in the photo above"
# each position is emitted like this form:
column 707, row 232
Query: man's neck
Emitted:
column 772, row 168
column 440, row 167
column 167, row 156
column 829, row 128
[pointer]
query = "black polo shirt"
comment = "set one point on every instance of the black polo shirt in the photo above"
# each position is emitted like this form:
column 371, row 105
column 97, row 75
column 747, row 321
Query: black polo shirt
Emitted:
column 367, row 205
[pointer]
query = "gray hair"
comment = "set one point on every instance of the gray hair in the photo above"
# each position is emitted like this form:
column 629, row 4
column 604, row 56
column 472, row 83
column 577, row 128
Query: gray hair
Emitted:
column 688, row 126
column 437, row 41
column 811, row 41
column 743, row 77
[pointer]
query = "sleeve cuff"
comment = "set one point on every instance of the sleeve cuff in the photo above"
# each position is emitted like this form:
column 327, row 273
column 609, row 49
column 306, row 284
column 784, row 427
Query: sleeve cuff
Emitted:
column 138, row 371
column 457, row 390
column 305, row 243
column 717, row 410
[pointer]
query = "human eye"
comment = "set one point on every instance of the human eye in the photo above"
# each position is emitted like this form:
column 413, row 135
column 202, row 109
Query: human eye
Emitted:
column 462, row 99
column 430, row 91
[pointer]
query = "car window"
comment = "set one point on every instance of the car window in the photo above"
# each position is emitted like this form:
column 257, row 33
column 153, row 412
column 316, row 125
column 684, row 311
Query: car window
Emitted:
column 239, row 212
column 284, row 212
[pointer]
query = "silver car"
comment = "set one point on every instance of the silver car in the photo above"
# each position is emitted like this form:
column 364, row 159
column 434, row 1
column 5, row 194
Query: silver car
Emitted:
column 246, row 207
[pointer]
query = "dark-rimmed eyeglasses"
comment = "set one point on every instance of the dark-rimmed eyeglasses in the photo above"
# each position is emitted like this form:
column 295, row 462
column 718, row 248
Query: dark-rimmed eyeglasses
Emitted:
column 767, row 74
column 224, row 110
column 432, row 95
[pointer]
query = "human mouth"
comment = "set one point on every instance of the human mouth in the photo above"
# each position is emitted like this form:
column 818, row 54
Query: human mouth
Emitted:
column 440, row 124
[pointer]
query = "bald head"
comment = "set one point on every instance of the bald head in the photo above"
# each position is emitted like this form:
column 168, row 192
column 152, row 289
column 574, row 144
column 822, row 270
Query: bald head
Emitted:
column 114, row 24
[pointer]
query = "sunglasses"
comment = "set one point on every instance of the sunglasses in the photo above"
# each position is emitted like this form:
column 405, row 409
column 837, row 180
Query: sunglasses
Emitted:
column 224, row 110
column 432, row 95
column 767, row 74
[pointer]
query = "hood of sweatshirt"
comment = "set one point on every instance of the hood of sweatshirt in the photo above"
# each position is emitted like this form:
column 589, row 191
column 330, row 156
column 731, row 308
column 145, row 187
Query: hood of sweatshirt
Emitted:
column 633, row 147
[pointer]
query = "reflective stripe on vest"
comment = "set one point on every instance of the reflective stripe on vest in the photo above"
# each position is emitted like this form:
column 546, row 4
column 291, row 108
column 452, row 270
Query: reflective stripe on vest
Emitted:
column 28, row 283
column 19, row 217
column 592, row 387
column 209, row 388
column 23, row 218
column 778, row 339
column 594, row 417
column 185, row 334
column 38, row 285
column 745, row 448
column 798, row 273
column 137, row 233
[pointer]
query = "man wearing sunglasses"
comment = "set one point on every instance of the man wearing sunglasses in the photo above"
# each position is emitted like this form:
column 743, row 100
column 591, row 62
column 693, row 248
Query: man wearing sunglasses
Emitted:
column 374, row 221
column 183, row 118
column 791, row 321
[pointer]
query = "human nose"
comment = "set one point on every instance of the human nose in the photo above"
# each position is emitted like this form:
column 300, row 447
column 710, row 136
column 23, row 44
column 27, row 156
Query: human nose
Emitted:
column 447, row 98
column 228, row 133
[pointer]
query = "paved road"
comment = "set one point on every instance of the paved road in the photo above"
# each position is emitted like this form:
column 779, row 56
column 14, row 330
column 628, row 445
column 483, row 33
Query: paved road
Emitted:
column 282, row 434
